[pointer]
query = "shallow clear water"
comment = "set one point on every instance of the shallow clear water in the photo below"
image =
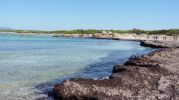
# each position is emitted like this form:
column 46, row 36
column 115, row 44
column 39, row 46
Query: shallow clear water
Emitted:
column 32, row 64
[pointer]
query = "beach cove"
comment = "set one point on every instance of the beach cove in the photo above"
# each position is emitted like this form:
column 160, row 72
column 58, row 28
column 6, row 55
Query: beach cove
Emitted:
column 32, row 64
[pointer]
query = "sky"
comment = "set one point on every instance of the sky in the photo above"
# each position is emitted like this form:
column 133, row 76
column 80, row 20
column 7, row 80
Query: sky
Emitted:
column 89, row 14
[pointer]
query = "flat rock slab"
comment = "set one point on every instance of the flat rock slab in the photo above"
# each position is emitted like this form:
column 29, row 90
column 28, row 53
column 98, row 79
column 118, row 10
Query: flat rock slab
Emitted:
column 160, row 44
column 154, row 76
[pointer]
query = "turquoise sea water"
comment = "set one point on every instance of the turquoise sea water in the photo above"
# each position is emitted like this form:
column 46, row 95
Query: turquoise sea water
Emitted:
column 30, row 65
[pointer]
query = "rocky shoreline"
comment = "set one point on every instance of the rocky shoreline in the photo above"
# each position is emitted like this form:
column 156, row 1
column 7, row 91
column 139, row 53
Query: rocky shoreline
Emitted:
column 124, row 36
column 153, row 76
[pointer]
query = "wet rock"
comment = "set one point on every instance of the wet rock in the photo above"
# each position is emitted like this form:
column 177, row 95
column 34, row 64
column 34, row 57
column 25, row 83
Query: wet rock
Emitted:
column 142, row 62
column 118, row 68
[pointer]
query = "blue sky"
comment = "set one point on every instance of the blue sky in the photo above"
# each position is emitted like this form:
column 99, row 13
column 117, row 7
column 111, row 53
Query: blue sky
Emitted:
column 89, row 14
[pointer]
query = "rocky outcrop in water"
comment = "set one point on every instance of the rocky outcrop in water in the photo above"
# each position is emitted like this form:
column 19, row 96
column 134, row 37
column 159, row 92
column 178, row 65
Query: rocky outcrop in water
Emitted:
column 154, row 76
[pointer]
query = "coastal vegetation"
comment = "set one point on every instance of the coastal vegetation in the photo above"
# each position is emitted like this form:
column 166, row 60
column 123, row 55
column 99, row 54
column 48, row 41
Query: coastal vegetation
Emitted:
column 93, row 31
